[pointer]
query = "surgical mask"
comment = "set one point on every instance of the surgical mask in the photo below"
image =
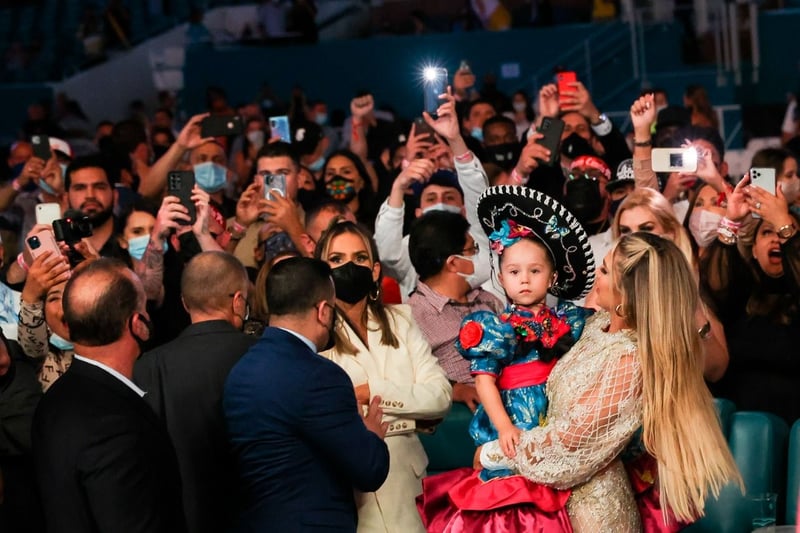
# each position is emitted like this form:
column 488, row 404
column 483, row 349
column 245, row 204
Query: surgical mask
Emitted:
column 471, row 259
column 703, row 225
column 352, row 282
column 481, row 270
column 45, row 187
column 317, row 165
column 61, row 343
column 477, row 133
column 448, row 208
column 138, row 245
column 256, row 138
column 519, row 107
column 341, row 189
column 321, row 119
column 210, row 176
column 791, row 189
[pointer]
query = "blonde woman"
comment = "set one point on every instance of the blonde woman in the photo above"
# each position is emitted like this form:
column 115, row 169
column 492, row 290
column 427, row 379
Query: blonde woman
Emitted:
column 385, row 354
column 648, row 210
column 638, row 363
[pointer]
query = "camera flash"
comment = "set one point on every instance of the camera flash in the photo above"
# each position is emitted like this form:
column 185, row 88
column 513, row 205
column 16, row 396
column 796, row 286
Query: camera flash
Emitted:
column 690, row 158
column 430, row 74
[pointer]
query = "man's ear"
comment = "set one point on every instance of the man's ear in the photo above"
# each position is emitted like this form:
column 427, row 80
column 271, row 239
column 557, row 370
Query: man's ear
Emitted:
column 308, row 244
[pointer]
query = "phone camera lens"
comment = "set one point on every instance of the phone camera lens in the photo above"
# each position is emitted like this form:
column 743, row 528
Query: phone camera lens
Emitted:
column 34, row 243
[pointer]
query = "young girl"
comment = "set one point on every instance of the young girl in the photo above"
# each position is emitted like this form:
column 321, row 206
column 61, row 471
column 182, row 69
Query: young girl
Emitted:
column 511, row 354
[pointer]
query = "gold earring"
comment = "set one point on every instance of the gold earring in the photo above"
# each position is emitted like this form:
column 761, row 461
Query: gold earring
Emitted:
column 618, row 311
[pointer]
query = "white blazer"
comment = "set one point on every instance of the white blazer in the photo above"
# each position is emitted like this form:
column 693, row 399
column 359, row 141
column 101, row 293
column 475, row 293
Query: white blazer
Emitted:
column 412, row 387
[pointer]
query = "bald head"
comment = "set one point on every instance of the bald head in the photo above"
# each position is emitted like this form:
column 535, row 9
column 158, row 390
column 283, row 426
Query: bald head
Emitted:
column 99, row 301
column 210, row 280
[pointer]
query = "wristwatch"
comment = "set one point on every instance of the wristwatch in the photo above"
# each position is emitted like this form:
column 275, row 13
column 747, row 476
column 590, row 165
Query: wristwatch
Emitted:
column 603, row 126
column 787, row 231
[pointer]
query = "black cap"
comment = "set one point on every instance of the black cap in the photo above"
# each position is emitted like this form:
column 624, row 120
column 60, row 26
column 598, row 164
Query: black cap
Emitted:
column 305, row 138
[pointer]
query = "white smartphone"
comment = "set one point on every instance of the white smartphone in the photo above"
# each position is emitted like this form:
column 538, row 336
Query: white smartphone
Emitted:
column 48, row 212
column 763, row 178
column 674, row 159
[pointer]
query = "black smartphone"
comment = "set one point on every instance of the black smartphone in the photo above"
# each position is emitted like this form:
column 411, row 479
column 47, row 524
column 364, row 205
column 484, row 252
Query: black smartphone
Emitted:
column 435, row 83
column 551, row 128
column 221, row 126
column 421, row 127
column 41, row 146
column 180, row 183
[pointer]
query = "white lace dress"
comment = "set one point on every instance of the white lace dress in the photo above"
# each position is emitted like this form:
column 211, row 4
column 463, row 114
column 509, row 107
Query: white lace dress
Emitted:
column 595, row 408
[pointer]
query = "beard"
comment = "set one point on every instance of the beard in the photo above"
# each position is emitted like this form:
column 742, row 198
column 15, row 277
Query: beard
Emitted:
column 99, row 218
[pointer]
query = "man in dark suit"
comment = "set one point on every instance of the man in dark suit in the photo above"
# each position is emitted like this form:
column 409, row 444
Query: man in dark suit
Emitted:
column 184, row 381
column 104, row 462
column 301, row 443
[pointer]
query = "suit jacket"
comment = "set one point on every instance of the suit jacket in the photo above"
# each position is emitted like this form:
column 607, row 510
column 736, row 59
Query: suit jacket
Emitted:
column 413, row 387
column 104, row 462
column 301, row 444
column 184, row 380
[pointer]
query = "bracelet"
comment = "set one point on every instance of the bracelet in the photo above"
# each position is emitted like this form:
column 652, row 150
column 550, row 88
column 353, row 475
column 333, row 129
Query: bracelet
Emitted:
column 648, row 142
column 518, row 178
column 726, row 235
column 238, row 228
column 463, row 158
column 730, row 224
column 15, row 185
column 21, row 262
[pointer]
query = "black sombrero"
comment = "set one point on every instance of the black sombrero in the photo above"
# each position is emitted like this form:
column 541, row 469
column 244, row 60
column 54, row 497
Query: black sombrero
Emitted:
column 552, row 224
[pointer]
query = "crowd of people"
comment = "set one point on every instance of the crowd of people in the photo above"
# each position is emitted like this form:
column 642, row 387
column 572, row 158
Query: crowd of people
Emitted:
column 241, row 333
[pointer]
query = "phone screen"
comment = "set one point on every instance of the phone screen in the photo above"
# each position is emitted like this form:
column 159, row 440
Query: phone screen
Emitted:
column 279, row 127
column 435, row 86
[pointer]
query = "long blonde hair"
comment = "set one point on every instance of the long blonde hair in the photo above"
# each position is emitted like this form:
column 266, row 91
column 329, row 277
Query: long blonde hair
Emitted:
column 662, row 210
column 680, row 425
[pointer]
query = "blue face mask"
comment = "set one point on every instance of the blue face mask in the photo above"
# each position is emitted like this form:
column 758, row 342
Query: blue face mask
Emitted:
column 317, row 165
column 210, row 176
column 321, row 119
column 138, row 245
column 61, row 343
column 449, row 208
column 477, row 133
column 46, row 186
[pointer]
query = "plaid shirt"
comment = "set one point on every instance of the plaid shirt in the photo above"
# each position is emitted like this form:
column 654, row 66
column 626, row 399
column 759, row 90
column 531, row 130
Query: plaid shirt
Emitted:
column 440, row 318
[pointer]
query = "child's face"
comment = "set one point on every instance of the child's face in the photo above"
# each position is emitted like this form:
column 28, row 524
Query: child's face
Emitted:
column 526, row 272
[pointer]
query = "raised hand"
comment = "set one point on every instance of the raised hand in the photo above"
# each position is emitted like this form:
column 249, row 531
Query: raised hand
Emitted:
column 420, row 170
column 168, row 218
column 581, row 101
column 361, row 106
column 190, row 136
column 374, row 418
column 643, row 115
column 548, row 101
column 532, row 154
column 46, row 271
column 417, row 144
column 446, row 123
column 738, row 207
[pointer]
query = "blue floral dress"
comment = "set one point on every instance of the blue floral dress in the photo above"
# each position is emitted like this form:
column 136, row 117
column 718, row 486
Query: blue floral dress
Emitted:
column 508, row 346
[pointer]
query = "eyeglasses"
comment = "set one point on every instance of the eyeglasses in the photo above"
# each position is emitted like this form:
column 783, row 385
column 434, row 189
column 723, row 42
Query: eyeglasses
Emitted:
column 474, row 249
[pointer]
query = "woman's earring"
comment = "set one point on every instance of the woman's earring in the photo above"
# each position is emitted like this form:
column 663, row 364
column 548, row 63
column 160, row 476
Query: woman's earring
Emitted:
column 618, row 311
column 374, row 295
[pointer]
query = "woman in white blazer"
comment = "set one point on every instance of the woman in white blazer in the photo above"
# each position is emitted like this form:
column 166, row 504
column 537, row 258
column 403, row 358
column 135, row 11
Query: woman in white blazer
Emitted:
column 385, row 354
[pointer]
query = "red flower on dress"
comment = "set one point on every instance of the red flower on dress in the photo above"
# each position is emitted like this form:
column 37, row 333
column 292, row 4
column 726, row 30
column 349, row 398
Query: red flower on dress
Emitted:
column 470, row 335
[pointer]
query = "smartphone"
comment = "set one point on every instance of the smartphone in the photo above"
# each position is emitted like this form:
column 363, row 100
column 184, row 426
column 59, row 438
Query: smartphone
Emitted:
column 435, row 84
column 674, row 159
column 551, row 128
column 421, row 127
column 47, row 213
column 41, row 146
column 221, row 126
column 42, row 242
column 763, row 178
column 274, row 182
column 279, row 126
column 180, row 183
column 563, row 80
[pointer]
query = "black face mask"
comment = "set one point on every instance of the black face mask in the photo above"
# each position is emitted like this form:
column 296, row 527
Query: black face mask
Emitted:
column 614, row 206
column 141, row 342
column 341, row 189
column 583, row 200
column 574, row 146
column 353, row 282
column 503, row 155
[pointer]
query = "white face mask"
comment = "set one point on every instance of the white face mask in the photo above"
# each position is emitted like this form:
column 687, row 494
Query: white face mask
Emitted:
column 791, row 189
column 449, row 208
column 474, row 278
column 256, row 138
column 703, row 225
column 519, row 107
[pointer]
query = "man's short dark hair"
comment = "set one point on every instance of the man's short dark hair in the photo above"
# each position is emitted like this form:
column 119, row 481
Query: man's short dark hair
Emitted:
column 297, row 284
column 326, row 206
column 500, row 119
column 434, row 237
column 98, row 301
column 278, row 149
column 127, row 135
column 473, row 103
column 100, row 161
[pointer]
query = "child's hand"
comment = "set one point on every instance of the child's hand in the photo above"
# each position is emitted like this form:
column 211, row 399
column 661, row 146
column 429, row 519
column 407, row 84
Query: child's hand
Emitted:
column 509, row 438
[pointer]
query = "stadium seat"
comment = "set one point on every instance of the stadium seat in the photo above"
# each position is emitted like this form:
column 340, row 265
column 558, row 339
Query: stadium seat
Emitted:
column 793, row 474
column 450, row 446
column 725, row 410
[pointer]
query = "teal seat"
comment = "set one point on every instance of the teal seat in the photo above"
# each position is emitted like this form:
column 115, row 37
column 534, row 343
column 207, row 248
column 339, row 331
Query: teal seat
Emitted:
column 450, row 446
column 793, row 474
column 758, row 443
column 725, row 410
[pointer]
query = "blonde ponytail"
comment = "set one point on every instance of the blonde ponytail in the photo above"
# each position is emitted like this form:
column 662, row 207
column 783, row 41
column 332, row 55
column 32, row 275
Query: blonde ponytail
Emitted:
column 680, row 425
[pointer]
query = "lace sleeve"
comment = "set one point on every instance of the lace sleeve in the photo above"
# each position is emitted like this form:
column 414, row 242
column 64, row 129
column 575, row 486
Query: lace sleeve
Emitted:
column 32, row 333
column 595, row 428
